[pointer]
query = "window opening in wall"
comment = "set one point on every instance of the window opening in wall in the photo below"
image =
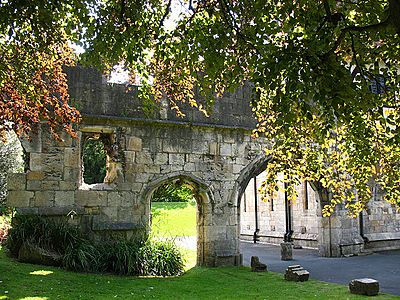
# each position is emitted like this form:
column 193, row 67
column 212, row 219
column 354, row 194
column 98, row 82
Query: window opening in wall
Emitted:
column 94, row 159
column 305, row 195
column 173, row 216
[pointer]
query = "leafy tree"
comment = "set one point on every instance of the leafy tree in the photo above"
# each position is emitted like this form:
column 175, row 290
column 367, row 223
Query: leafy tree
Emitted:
column 11, row 162
column 94, row 161
column 313, row 65
column 173, row 192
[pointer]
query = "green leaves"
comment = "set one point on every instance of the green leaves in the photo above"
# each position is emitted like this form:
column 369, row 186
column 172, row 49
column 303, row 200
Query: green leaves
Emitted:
column 312, row 64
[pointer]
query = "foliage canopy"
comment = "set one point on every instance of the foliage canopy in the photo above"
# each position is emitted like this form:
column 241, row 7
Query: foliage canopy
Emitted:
column 313, row 65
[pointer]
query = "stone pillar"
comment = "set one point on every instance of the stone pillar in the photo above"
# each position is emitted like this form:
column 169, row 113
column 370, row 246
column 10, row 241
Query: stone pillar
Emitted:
column 286, row 251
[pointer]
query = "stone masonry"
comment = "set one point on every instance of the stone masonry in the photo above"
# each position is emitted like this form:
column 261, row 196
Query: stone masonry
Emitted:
column 215, row 156
column 146, row 148
column 338, row 235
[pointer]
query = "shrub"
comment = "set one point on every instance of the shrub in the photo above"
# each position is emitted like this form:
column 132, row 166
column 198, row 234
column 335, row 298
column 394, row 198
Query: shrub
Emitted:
column 160, row 258
column 43, row 232
column 79, row 253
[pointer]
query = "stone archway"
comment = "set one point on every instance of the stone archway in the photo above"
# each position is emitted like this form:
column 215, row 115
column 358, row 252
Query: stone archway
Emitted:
column 204, row 202
column 253, row 169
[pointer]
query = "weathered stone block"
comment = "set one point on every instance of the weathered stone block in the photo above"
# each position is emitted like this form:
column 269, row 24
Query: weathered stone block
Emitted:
column 296, row 273
column 189, row 167
column 176, row 159
column 90, row 198
column 35, row 175
column 34, row 185
column 364, row 286
column 36, row 255
column 286, row 251
column 52, row 166
column 120, row 199
column 71, row 157
column 136, row 186
column 16, row 181
column 257, row 266
column 71, row 174
column 50, row 185
column 27, row 210
column 111, row 213
column 93, row 210
column 129, row 156
column 19, row 198
column 64, row 198
column 176, row 168
column 134, row 144
column 143, row 158
column 44, row 198
column 213, row 149
column 226, row 149
column 68, row 185
column 35, row 144
column 161, row 158
column 35, row 162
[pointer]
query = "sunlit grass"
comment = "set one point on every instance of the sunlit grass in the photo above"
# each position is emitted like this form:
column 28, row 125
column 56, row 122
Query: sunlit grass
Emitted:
column 170, row 219
column 41, row 272
column 197, row 283
column 190, row 257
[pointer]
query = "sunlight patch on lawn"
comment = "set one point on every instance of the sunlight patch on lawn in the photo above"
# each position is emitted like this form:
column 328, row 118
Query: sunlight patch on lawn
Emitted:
column 41, row 272
column 33, row 298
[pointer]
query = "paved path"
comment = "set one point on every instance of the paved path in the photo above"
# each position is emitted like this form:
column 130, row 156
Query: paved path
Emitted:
column 382, row 266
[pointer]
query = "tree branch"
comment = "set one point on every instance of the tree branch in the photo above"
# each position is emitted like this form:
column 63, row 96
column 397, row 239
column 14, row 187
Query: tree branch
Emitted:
column 226, row 11
column 349, row 29
column 167, row 11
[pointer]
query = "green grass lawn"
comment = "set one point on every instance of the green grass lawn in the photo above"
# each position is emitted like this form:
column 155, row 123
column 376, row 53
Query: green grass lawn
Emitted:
column 28, row 282
column 173, row 219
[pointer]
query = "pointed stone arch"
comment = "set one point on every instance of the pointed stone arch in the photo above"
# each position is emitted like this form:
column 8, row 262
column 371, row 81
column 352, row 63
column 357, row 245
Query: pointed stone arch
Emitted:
column 203, row 195
column 252, row 169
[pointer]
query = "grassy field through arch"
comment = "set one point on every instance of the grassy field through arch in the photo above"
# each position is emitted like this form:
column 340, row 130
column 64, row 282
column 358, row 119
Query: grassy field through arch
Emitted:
column 174, row 220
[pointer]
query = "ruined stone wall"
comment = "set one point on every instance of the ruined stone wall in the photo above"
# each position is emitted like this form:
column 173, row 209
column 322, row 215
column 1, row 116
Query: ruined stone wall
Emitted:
column 381, row 223
column 91, row 94
column 209, row 160
column 211, row 155
column 271, row 216
column 337, row 235
column 215, row 156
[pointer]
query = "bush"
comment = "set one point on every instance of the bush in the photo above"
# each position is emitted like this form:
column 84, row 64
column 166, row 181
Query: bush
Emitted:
column 173, row 192
column 79, row 253
column 160, row 258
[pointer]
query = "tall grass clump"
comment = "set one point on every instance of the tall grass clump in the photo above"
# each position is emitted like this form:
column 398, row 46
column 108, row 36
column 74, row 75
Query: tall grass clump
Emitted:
column 160, row 258
column 142, row 256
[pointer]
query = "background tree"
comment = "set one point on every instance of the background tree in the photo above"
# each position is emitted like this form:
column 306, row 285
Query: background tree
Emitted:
column 94, row 158
column 313, row 65
column 11, row 162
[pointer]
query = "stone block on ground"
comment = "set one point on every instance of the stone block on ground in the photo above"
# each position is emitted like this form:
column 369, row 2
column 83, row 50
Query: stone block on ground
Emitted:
column 33, row 254
column 364, row 286
column 286, row 251
column 257, row 266
column 296, row 273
